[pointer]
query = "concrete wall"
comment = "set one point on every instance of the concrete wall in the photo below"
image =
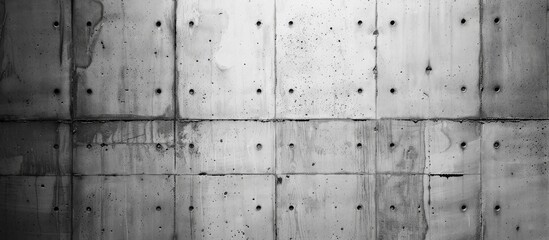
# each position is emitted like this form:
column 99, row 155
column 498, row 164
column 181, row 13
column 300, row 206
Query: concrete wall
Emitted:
column 274, row 119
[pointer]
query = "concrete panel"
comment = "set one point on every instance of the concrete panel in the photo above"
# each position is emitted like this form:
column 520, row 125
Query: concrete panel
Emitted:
column 515, row 180
column 123, row 207
column 452, row 147
column 35, row 207
column 453, row 207
column 325, row 146
column 326, row 207
column 400, row 147
column 428, row 207
column 35, row 148
column 35, row 59
column 124, row 57
column 428, row 59
column 225, row 59
column 325, row 59
column 432, row 147
column 219, row 147
column 400, row 207
column 225, row 207
column 515, row 46
column 124, row 147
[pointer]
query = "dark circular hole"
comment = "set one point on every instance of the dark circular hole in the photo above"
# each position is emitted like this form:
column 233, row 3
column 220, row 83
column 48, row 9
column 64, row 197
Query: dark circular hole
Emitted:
column 259, row 146
column 89, row 146
column 158, row 23
column 291, row 23
column 191, row 208
column 517, row 228
column 159, row 146
column 359, row 207
column 391, row 145
column 56, row 146
column 56, row 91
column 291, row 145
column 158, row 91
column 258, row 207
column 191, row 23
column 463, row 208
column 88, row 209
column 291, row 208
column 463, row 21
column 463, row 89
column 496, row 89
column 89, row 91
column 359, row 22
column 158, row 208
column 359, row 145
column 56, row 24
column 56, row 209
column 191, row 145
column 89, row 24
column 191, row 92
column 463, row 145
column 258, row 91
column 392, row 22
column 393, row 91
column 392, row 207
column 497, row 208
column 291, row 90
column 359, row 90
column 258, row 23
column 496, row 20
column 496, row 144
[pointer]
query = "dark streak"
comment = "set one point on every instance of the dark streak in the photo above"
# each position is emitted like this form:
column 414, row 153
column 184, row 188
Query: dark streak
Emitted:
column 447, row 175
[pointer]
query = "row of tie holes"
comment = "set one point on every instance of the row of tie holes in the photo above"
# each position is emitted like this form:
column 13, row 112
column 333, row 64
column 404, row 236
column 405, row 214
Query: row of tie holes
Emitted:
column 258, row 23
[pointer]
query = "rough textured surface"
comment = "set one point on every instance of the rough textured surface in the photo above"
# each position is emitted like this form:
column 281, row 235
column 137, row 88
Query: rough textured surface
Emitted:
column 141, row 147
column 274, row 119
column 219, row 147
column 325, row 146
column 325, row 59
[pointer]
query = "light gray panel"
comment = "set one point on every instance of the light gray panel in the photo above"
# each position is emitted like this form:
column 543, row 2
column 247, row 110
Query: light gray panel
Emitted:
column 515, row 180
column 428, row 59
column 219, row 207
column 219, row 147
column 320, row 146
column 124, row 57
column 325, row 59
column 225, row 59
column 326, row 207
